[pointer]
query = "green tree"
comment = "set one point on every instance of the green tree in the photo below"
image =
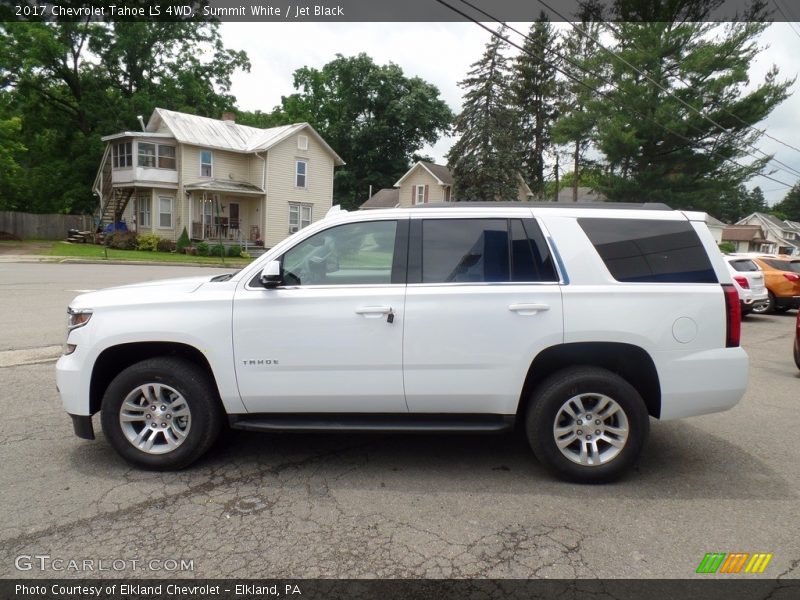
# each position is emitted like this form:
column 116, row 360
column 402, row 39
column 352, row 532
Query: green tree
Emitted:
column 535, row 93
column 484, row 160
column 575, row 124
column 372, row 115
column 789, row 207
column 656, row 127
column 69, row 83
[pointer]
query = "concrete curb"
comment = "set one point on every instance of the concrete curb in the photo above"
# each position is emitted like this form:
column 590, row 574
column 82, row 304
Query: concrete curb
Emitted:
column 24, row 258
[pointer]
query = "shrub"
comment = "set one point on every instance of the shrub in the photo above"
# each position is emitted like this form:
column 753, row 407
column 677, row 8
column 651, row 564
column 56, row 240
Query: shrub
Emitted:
column 216, row 250
column 202, row 249
column 122, row 240
column 727, row 247
column 191, row 251
column 234, row 250
column 183, row 241
column 167, row 246
column 244, row 254
column 147, row 242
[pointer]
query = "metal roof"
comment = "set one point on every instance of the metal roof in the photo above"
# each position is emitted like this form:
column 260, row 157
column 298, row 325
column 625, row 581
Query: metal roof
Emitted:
column 227, row 135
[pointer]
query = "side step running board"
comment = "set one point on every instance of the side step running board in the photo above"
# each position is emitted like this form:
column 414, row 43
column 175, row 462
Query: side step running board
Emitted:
column 374, row 423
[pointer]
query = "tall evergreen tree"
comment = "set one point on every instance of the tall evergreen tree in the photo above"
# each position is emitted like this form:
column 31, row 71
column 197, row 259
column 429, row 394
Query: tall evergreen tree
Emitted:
column 789, row 207
column 575, row 126
column 535, row 93
column 657, row 129
column 484, row 161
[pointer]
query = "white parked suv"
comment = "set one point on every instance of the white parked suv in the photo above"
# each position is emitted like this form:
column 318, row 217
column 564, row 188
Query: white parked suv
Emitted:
column 578, row 323
column 748, row 280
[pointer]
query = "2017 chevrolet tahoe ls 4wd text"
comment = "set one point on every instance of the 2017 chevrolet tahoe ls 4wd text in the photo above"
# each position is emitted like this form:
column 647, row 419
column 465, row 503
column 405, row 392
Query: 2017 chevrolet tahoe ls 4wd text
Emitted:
column 577, row 322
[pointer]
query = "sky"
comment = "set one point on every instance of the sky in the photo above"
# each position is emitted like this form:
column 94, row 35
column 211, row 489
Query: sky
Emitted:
column 441, row 54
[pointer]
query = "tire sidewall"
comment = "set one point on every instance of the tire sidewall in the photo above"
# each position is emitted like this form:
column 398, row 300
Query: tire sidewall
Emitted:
column 548, row 399
column 191, row 383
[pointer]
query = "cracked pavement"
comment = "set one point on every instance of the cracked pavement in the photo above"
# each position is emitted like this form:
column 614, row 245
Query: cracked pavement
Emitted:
column 395, row 506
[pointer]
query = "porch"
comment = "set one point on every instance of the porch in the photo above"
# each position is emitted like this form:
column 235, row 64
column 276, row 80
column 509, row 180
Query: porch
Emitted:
column 225, row 217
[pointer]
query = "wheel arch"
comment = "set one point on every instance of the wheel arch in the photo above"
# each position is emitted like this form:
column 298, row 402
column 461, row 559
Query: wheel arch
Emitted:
column 115, row 359
column 630, row 362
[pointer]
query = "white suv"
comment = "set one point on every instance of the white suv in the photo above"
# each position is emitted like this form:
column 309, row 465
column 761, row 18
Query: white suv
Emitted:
column 578, row 323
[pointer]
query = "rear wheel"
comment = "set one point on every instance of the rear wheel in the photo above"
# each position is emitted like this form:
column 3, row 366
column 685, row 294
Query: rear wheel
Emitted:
column 161, row 413
column 587, row 424
column 766, row 306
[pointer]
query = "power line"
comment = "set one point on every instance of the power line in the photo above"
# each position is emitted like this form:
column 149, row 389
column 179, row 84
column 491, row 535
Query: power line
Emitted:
column 587, row 86
column 658, row 85
column 785, row 16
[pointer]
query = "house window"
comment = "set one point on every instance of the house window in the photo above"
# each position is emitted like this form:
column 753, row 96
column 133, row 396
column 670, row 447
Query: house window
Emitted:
column 206, row 163
column 122, row 155
column 143, row 212
column 299, row 217
column 165, row 212
column 302, row 142
column 419, row 194
column 166, row 157
column 301, row 168
column 147, row 154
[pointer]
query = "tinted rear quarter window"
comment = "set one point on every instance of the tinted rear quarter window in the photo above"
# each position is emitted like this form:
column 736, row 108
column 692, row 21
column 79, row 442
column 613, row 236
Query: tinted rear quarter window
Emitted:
column 652, row 251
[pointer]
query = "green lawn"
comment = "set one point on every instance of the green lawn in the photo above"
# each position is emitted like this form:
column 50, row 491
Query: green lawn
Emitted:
column 95, row 252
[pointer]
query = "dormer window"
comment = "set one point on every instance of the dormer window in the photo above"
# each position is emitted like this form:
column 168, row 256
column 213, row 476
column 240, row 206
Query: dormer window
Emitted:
column 206, row 163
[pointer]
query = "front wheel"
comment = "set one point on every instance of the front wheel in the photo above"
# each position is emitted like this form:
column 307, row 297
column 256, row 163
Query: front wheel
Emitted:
column 161, row 413
column 587, row 424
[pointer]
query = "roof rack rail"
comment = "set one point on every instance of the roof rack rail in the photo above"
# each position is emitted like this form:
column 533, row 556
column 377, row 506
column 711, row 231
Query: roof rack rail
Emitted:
column 599, row 205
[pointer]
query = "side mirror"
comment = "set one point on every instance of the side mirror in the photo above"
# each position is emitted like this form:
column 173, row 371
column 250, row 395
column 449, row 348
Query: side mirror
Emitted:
column 271, row 274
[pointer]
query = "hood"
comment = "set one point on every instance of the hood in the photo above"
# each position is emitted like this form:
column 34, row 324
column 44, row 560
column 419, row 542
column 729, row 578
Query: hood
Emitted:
column 140, row 293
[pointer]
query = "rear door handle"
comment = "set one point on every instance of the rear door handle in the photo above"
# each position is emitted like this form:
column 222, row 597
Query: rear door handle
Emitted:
column 528, row 309
column 373, row 312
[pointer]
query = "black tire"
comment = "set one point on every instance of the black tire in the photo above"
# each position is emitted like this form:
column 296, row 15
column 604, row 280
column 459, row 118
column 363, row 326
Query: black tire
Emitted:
column 782, row 309
column 553, row 393
column 198, row 392
column 762, row 308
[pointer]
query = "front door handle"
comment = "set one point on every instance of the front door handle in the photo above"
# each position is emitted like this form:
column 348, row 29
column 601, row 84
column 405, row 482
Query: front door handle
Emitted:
column 528, row 309
column 373, row 312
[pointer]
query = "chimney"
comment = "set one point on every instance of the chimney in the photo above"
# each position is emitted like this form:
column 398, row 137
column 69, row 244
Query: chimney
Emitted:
column 229, row 116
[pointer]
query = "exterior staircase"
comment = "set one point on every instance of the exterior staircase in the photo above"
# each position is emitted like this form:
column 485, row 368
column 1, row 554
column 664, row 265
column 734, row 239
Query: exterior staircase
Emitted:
column 111, row 210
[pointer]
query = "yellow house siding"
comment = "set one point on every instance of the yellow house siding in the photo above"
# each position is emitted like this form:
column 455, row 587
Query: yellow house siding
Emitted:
column 225, row 165
column 420, row 176
column 281, row 189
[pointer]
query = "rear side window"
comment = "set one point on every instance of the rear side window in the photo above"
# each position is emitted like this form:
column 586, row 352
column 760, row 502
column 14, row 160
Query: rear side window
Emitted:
column 783, row 265
column 743, row 265
column 644, row 250
column 484, row 251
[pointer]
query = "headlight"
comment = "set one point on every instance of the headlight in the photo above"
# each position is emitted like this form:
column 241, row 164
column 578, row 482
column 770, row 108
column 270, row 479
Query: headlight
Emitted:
column 77, row 318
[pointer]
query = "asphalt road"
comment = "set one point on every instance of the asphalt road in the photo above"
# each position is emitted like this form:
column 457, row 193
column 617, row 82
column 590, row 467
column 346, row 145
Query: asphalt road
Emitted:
column 302, row 506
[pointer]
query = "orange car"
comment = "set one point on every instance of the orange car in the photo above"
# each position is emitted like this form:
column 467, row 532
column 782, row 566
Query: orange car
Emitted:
column 782, row 278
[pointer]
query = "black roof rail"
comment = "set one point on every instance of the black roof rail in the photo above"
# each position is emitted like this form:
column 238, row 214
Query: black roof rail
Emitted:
column 600, row 205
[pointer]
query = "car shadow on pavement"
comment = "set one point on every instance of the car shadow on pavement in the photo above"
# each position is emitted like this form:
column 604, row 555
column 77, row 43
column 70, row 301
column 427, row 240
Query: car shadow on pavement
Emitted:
column 679, row 461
